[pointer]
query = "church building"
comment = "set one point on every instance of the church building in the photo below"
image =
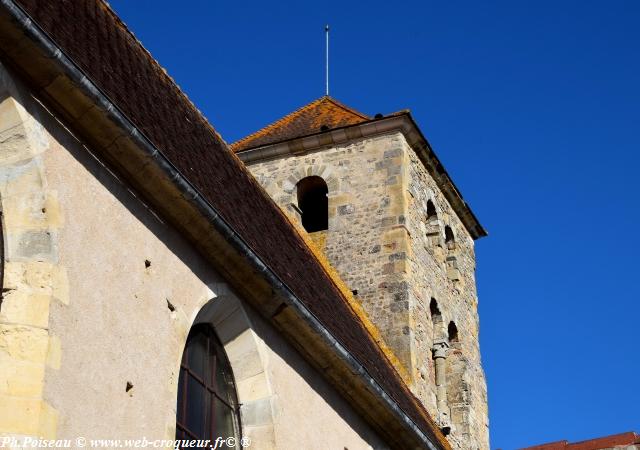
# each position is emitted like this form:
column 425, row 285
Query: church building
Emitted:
column 311, row 286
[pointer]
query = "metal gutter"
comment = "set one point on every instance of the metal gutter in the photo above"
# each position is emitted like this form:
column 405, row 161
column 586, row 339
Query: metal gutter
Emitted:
column 191, row 194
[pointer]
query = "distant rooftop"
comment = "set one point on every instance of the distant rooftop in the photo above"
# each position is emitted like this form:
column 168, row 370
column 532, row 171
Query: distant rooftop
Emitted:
column 619, row 441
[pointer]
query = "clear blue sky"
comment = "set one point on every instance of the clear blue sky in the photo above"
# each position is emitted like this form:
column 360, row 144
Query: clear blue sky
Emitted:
column 534, row 108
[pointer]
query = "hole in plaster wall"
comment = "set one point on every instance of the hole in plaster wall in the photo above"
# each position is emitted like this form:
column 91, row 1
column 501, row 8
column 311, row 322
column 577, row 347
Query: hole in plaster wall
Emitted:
column 170, row 306
column 354, row 292
column 44, row 210
column 446, row 430
column 129, row 386
column 147, row 263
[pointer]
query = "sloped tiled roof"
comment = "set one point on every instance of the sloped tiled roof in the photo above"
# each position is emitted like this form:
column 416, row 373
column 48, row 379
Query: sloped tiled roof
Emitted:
column 97, row 41
column 320, row 115
column 622, row 440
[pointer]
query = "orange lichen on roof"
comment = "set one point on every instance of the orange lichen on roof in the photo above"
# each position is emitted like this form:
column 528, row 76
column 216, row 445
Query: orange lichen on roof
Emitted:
column 354, row 305
column 359, row 312
column 322, row 114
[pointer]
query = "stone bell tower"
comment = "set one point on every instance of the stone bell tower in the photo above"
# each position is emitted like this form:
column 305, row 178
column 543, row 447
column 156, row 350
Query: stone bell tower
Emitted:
column 374, row 197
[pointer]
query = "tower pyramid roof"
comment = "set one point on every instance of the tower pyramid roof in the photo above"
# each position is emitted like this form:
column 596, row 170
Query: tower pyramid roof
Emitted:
column 320, row 115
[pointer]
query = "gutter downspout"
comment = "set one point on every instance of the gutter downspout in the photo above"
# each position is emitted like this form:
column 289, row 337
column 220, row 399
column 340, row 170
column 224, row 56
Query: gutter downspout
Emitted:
column 155, row 156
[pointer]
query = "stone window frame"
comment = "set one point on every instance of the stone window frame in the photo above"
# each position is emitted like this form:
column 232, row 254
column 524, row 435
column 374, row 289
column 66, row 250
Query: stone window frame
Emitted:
column 449, row 238
column 433, row 224
column 217, row 363
column 453, row 334
column 228, row 316
column 310, row 186
column 289, row 199
column 451, row 260
column 457, row 366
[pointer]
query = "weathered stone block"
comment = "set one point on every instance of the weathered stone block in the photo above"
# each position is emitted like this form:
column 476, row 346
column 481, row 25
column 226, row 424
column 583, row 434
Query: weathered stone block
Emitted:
column 24, row 342
column 21, row 378
column 21, row 177
column 256, row 413
column 20, row 307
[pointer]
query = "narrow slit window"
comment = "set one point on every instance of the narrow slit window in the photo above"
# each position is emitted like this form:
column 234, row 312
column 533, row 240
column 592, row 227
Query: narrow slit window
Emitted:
column 436, row 317
column 452, row 331
column 313, row 203
column 448, row 235
column 449, row 238
column 432, row 224
column 431, row 211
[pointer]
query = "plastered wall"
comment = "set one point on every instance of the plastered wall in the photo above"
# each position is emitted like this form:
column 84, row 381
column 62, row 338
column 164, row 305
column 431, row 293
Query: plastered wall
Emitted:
column 101, row 294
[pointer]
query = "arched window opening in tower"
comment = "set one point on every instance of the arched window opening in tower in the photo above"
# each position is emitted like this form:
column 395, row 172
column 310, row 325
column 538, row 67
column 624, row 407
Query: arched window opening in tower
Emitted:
column 457, row 384
column 432, row 214
column 432, row 223
column 449, row 238
column 439, row 332
column 452, row 332
column 207, row 405
column 435, row 311
column 313, row 203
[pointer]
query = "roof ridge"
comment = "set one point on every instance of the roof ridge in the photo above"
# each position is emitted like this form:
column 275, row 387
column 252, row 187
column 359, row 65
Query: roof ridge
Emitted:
column 269, row 127
column 348, row 108
column 276, row 122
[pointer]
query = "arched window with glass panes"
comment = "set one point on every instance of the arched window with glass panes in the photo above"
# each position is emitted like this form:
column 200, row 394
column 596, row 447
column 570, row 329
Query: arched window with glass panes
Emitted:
column 207, row 401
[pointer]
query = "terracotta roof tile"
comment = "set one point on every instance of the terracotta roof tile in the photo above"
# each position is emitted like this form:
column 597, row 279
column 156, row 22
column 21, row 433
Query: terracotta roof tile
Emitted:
column 615, row 440
column 92, row 35
column 309, row 119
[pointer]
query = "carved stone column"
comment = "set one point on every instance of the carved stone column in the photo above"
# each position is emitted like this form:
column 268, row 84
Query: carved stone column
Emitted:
column 440, row 349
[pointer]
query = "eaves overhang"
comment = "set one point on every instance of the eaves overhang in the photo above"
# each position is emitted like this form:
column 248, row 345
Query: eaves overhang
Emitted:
column 399, row 122
column 57, row 81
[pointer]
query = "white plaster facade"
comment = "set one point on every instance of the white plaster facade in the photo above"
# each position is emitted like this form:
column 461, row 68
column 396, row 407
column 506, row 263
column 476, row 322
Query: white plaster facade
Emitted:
column 101, row 318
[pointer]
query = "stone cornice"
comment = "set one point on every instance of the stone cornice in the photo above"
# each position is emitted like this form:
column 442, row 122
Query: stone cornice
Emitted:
column 400, row 122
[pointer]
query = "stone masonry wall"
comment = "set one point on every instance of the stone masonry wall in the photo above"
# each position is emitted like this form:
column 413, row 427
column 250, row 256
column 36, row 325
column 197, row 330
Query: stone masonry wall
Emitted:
column 445, row 271
column 383, row 246
column 367, row 237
